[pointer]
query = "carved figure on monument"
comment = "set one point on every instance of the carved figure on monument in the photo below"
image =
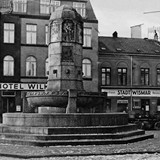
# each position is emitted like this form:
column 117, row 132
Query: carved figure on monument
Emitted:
column 68, row 31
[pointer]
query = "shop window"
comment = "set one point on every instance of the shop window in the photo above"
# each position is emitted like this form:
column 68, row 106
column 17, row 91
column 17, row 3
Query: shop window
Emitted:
column 136, row 104
column 9, row 32
column 8, row 66
column 86, row 67
column 30, row 66
column 19, row 6
column 145, row 76
column 122, row 76
column 106, row 76
column 31, row 34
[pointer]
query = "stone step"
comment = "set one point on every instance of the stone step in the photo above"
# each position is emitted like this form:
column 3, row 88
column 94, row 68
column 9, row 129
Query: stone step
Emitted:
column 71, row 136
column 67, row 130
column 76, row 142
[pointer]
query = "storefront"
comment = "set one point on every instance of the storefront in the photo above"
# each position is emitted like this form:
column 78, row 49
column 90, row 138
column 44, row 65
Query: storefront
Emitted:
column 12, row 95
column 142, row 101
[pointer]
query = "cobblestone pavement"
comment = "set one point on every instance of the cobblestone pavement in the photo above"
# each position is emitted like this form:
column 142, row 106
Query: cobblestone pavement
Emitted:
column 111, row 157
column 143, row 150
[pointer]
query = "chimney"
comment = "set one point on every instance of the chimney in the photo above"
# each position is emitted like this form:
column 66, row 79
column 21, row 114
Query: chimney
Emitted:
column 115, row 34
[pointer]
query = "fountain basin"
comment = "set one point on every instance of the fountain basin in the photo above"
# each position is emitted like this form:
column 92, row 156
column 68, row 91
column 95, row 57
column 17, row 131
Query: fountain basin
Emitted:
column 64, row 120
column 59, row 99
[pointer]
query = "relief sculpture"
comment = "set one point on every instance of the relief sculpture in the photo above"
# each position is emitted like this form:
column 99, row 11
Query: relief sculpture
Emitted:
column 68, row 31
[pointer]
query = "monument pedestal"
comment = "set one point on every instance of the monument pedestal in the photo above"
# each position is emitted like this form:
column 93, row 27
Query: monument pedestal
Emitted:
column 69, row 129
column 65, row 92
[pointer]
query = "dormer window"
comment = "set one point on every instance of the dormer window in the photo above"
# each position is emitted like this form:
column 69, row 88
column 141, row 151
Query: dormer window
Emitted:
column 138, row 50
column 157, row 51
column 80, row 8
column 118, row 49
column 48, row 6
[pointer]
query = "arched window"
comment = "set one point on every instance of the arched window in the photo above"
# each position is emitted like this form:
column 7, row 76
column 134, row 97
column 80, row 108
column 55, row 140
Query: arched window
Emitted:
column 86, row 67
column 8, row 66
column 31, row 66
column 47, row 67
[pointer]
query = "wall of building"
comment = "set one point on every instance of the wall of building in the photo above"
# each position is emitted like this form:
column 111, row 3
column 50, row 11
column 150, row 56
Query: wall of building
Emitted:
column 92, row 54
column 134, row 95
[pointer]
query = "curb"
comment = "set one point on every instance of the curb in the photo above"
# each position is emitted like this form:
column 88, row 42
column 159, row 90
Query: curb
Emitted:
column 73, row 155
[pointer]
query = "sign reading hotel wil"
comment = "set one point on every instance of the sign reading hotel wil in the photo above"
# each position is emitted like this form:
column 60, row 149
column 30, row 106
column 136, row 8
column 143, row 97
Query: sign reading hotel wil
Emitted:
column 22, row 86
column 133, row 92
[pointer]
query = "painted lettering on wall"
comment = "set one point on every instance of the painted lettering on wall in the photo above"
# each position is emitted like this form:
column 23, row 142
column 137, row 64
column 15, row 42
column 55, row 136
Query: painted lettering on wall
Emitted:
column 22, row 86
column 141, row 92
column 132, row 92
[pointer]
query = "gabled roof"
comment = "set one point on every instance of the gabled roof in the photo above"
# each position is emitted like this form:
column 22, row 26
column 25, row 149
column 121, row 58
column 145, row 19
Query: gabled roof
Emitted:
column 128, row 45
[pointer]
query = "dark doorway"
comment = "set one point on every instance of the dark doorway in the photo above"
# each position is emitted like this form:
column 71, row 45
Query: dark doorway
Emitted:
column 145, row 106
column 8, row 104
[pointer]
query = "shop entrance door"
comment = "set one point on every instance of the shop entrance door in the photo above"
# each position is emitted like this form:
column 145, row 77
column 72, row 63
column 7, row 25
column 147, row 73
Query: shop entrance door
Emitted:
column 145, row 106
column 8, row 104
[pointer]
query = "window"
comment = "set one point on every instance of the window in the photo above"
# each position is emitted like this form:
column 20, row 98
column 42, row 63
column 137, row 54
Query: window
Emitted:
column 106, row 76
column 87, row 37
column 20, row 6
column 158, row 76
column 145, row 76
column 122, row 76
column 9, row 32
column 31, row 31
column 80, row 8
column 54, row 5
column 47, row 67
column 44, row 6
column 46, row 34
column 30, row 66
column 48, row 6
column 86, row 67
column 8, row 66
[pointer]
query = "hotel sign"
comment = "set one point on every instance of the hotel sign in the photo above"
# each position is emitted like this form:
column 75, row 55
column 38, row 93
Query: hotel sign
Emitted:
column 133, row 92
column 22, row 86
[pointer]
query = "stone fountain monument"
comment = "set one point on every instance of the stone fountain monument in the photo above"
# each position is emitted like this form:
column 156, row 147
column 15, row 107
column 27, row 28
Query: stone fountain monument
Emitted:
column 63, row 116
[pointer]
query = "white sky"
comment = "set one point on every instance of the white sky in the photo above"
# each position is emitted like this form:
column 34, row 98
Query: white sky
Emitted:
column 120, row 15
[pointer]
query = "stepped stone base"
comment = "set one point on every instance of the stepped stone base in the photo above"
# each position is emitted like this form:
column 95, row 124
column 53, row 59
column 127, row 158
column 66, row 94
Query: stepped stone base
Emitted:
column 69, row 129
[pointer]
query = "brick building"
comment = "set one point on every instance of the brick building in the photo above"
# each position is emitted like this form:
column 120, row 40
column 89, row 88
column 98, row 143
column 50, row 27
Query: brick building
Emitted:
column 24, row 50
column 129, row 71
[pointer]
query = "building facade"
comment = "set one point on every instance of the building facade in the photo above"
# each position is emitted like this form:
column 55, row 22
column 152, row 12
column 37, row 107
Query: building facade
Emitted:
column 24, row 49
column 129, row 71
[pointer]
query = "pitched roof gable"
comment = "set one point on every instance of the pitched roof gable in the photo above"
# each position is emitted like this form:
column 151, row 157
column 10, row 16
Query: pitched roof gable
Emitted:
column 128, row 45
